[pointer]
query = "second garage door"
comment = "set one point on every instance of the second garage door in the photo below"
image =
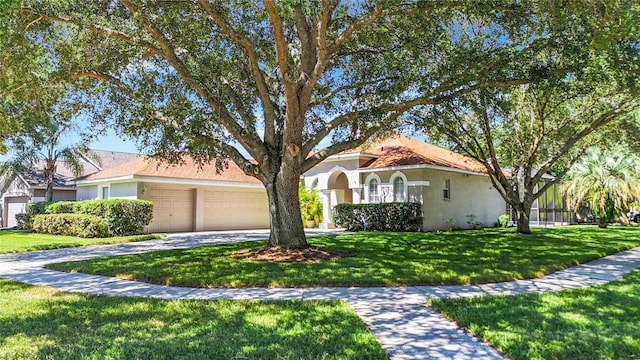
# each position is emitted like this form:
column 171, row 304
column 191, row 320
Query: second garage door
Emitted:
column 172, row 209
column 235, row 209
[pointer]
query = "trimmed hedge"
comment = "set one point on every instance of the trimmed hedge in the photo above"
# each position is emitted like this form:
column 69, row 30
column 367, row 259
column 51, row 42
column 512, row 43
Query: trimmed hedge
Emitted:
column 397, row 217
column 123, row 216
column 60, row 207
column 25, row 220
column 81, row 225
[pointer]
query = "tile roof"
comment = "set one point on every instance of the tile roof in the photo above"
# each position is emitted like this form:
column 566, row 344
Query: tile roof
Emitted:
column 189, row 169
column 35, row 176
column 400, row 150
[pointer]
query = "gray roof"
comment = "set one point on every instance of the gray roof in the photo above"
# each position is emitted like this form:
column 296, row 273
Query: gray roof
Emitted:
column 35, row 176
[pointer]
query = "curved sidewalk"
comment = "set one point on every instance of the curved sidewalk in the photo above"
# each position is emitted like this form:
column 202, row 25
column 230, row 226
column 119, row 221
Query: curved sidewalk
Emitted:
column 404, row 326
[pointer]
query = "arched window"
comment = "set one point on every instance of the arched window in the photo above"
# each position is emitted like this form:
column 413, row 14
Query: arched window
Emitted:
column 398, row 190
column 373, row 191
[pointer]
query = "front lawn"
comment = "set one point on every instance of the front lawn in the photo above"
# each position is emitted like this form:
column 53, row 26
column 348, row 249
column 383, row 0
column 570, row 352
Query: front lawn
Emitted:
column 42, row 323
column 600, row 322
column 377, row 258
column 12, row 241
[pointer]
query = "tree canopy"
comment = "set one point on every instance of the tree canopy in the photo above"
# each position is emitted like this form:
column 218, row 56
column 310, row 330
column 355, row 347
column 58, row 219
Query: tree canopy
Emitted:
column 293, row 82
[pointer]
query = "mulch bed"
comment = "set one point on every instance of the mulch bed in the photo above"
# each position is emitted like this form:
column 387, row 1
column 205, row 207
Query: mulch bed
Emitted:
column 276, row 254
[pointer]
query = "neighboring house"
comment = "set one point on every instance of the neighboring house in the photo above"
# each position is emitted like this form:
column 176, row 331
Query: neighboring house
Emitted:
column 453, row 188
column 186, row 197
column 31, row 187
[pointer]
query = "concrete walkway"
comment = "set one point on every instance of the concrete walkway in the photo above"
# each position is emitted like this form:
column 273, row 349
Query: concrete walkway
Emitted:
column 398, row 317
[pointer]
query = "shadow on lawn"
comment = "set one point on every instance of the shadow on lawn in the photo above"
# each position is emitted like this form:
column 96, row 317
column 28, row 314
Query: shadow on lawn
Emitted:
column 597, row 322
column 49, row 324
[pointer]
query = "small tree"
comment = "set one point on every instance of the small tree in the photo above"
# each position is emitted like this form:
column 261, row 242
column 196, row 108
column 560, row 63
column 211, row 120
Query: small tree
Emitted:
column 310, row 205
column 607, row 180
column 43, row 143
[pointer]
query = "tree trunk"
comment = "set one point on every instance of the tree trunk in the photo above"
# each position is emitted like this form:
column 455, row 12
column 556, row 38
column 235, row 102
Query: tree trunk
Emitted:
column 48, row 195
column 285, row 221
column 523, row 212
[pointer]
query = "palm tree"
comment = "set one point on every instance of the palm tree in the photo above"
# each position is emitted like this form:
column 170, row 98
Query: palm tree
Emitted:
column 606, row 180
column 42, row 145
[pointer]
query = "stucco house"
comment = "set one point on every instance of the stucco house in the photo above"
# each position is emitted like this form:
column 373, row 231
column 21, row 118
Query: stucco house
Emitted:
column 186, row 197
column 30, row 186
column 453, row 189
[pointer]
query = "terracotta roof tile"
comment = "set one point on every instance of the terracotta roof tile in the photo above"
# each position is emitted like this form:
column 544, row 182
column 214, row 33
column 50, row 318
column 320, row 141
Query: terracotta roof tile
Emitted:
column 400, row 150
column 189, row 169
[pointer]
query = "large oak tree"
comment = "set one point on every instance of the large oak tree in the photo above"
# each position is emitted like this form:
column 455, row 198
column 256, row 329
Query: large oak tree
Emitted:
column 293, row 82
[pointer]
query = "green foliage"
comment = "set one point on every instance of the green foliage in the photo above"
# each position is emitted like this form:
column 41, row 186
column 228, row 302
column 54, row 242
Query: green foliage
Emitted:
column 380, row 217
column 125, row 217
column 61, row 207
column 40, row 207
column 25, row 221
column 606, row 180
column 316, row 73
column 503, row 220
column 80, row 225
column 310, row 204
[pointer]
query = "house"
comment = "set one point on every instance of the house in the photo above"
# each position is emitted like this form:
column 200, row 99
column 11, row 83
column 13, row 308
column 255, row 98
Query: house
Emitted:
column 31, row 187
column 455, row 190
column 186, row 197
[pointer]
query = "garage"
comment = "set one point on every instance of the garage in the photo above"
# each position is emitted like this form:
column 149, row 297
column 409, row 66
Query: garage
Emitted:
column 172, row 209
column 13, row 205
column 235, row 208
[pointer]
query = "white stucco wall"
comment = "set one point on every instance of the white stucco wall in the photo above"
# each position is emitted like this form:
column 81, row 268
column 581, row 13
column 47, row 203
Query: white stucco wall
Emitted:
column 124, row 190
column 469, row 195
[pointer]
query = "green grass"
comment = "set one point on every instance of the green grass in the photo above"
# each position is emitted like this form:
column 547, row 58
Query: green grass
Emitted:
column 378, row 259
column 42, row 323
column 12, row 241
column 600, row 322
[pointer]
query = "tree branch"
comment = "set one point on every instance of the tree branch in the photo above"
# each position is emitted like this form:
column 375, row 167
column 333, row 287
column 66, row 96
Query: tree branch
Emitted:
column 254, row 66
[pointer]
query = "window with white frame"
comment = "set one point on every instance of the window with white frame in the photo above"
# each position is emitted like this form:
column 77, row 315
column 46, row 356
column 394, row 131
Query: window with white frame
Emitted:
column 446, row 190
column 105, row 192
column 373, row 191
column 399, row 190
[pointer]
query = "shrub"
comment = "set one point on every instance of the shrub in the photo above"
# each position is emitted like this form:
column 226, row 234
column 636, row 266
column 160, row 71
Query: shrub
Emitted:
column 25, row 221
column 503, row 220
column 71, row 225
column 60, row 207
column 310, row 204
column 125, row 217
column 39, row 207
column 382, row 217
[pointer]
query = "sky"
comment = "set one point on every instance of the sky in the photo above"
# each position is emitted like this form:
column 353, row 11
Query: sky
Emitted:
column 114, row 142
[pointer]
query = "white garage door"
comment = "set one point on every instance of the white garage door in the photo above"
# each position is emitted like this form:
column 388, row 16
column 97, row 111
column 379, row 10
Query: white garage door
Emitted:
column 234, row 209
column 172, row 209
column 15, row 205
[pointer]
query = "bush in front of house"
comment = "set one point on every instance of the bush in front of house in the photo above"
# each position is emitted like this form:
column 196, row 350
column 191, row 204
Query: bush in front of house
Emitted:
column 81, row 225
column 503, row 220
column 397, row 217
column 60, row 207
column 124, row 216
column 25, row 220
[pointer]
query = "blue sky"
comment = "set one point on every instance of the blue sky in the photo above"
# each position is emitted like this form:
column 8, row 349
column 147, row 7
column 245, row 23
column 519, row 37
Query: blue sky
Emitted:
column 114, row 142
